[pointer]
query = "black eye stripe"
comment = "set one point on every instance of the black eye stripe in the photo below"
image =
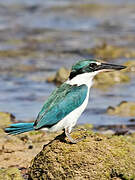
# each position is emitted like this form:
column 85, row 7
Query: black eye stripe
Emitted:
column 93, row 65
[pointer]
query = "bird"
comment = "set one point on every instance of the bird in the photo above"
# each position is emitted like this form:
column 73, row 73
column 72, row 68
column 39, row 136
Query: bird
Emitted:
column 68, row 101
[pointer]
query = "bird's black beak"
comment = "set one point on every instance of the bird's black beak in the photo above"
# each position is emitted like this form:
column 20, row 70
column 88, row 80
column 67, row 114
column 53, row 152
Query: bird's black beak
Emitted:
column 109, row 67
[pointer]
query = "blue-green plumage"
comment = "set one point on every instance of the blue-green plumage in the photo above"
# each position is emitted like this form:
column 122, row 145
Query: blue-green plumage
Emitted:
column 19, row 128
column 63, row 100
column 82, row 64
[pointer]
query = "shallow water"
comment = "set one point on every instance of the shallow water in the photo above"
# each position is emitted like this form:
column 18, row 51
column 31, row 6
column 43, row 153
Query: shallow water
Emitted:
column 55, row 33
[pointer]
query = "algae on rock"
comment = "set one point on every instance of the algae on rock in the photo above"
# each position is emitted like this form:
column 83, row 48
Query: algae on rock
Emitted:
column 111, row 52
column 6, row 119
column 10, row 174
column 61, row 76
column 104, row 80
column 130, row 66
column 123, row 109
column 97, row 157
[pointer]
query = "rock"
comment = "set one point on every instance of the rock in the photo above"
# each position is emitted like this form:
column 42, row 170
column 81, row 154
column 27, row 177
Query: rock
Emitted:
column 18, row 151
column 130, row 66
column 6, row 119
column 84, row 126
column 110, row 51
column 10, row 174
column 109, row 131
column 104, row 80
column 51, row 78
column 60, row 77
column 22, row 52
column 132, row 120
column 123, row 109
column 24, row 68
column 122, row 131
column 96, row 157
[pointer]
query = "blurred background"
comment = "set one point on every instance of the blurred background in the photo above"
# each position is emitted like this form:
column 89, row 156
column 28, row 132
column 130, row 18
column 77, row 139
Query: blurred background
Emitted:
column 37, row 38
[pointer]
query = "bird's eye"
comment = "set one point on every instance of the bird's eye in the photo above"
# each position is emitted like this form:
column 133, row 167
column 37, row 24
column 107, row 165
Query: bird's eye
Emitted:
column 93, row 65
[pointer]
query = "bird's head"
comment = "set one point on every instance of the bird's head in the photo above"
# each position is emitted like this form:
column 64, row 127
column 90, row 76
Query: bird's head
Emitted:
column 92, row 67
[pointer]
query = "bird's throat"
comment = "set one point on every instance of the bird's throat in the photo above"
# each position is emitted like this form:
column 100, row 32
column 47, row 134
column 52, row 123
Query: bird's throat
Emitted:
column 86, row 78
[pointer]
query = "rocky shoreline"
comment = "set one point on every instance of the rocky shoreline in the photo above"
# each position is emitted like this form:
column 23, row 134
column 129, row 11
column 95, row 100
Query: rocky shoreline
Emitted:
column 36, row 155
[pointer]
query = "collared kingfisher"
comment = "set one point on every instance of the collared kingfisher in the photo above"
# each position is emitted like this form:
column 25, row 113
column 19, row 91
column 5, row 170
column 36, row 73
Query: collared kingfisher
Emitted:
column 67, row 102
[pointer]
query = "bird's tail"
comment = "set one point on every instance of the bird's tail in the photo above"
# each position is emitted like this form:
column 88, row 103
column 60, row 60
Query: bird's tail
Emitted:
column 19, row 128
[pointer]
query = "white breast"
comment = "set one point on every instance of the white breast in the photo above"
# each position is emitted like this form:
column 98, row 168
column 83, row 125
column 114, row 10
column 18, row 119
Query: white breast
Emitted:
column 71, row 119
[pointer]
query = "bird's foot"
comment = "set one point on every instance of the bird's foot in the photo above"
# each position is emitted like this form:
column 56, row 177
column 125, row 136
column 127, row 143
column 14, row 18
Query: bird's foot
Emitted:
column 73, row 141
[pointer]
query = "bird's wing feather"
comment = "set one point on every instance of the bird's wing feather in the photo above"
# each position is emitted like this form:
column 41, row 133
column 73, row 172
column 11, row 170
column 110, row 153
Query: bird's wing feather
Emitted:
column 62, row 101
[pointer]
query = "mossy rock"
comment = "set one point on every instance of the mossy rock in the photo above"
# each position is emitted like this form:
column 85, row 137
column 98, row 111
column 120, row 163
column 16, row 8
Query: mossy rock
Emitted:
column 10, row 174
column 6, row 119
column 123, row 109
column 60, row 77
column 130, row 66
column 99, row 157
column 110, row 51
column 107, row 79
column 17, row 53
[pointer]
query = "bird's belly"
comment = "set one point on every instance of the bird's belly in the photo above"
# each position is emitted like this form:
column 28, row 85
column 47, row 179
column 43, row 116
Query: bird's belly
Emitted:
column 70, row 120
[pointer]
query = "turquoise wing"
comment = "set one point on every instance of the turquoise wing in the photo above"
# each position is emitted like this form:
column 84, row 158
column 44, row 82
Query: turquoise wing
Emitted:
column 62, row 101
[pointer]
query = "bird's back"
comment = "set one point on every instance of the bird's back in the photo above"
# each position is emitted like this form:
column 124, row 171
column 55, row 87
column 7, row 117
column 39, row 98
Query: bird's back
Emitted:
column 62, row 101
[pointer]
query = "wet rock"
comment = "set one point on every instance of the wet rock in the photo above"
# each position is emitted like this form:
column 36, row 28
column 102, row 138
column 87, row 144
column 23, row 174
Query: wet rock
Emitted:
column 109, row 51
column 60, row 77
column 10, row 174
column 24, row 68
column 123, row 109
column 6, row 119
column 109, row 132
column 96, row 156
column 122, row 131
column 132, row 120
column 24, row 52
column 30, row 147
column 130, row 66
column 86, row 8
column 116, row 129
column 104, row 80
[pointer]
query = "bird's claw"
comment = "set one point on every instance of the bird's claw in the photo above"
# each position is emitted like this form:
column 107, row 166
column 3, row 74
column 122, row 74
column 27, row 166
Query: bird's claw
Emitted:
column 73, row 141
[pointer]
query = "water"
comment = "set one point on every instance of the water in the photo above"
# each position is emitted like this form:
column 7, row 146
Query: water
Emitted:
column 54, row 32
